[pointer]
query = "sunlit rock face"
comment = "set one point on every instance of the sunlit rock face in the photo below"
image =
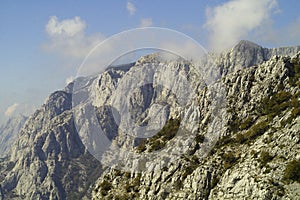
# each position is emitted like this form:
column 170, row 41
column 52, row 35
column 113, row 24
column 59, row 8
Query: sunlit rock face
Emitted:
column 229, row 143
column 255, row 144
column 9, row 133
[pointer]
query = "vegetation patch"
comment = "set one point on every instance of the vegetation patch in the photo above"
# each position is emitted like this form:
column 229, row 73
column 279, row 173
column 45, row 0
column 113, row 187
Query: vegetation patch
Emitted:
column 105, row 186
column 265, row 157
column 294, row 71
column 229, row 159
column 292, row 171
column 275, row 104
column 247, row 123
column 214, row 182
column 159, row 140
column 255, row 131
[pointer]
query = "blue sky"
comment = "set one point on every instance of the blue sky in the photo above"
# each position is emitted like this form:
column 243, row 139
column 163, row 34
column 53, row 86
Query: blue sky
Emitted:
column 36, row 60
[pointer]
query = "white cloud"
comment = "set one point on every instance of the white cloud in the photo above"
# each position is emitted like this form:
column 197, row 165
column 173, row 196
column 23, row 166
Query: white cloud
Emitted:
column 146, row 22
column 68, row 38
column 11, row 109
column 234, row 20
column 16, row 108
column 68, row 27
column 130, row 8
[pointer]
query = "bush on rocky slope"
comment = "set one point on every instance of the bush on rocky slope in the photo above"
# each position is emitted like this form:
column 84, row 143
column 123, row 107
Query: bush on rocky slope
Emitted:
column 159, row 140
column 292, row 171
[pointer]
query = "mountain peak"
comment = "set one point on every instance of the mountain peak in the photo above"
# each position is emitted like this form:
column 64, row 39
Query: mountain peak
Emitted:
column 246, row 44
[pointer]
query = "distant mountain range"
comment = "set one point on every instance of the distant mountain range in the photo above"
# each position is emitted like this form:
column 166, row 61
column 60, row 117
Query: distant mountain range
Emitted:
column 242, row 144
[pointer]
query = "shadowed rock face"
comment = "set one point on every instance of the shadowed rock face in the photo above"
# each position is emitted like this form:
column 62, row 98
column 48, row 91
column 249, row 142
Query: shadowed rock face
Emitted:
column 49, row 160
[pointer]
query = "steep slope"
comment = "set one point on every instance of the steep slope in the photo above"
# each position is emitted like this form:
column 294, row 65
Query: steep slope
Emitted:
column 247, row 54
column 9, row 133
column 49, row 161
column 260, row 138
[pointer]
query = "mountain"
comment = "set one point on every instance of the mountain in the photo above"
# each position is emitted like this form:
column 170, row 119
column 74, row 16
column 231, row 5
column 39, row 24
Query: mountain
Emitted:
column 166, row 130
column 256, row 156
column 247, row 54
column 9, row 133
column 48, row 161
column 239, row 149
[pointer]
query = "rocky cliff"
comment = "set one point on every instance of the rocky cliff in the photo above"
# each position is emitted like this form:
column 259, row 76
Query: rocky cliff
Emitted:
column 257, row 140
column 9, row 133
column 49, row 161
column 166, row 132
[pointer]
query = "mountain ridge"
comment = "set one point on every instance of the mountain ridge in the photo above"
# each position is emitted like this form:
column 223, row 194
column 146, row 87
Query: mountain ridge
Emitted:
column 51, row 150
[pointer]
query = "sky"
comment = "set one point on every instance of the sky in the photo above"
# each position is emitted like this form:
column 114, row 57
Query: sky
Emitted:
column 43, row 43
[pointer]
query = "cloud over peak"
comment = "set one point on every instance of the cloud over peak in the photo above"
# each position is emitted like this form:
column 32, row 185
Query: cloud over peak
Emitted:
column 68, row 38
column 146, row 22
column 11, row 109
column 232, row 21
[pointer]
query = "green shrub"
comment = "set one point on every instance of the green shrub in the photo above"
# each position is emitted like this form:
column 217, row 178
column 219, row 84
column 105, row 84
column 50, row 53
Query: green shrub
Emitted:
column 234, row 123
column 294, row 71
column 295, row 112
column 240, row 138
column 188, row 170
column 178, row 184
column 170, row 129
column 255, row 131
column 128, row 188
column 214, row 182
column 160, row 139
column 224, row 141
column 292, row 171
column 280, row 191
column 105, row 187
column 127, row 175
column 122, row 196
column 276, row 103
column 229, row 159
column 136, row 180
column 117, row 172
column 156, row 145
column 265, row 157
column 253, row 153
column 247, row 123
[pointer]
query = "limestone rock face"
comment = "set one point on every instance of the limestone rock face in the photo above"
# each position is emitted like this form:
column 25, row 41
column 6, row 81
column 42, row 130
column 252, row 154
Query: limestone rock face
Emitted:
column 169, row 132
column 247, row 54
column 259, row 137
column 49, row 161
column 9, row 133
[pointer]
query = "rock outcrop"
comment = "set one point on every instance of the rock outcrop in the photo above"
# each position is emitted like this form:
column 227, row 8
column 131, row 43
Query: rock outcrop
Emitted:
column 259, row 139
column 49, row 161
column 9, row 133
column 166, row 132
